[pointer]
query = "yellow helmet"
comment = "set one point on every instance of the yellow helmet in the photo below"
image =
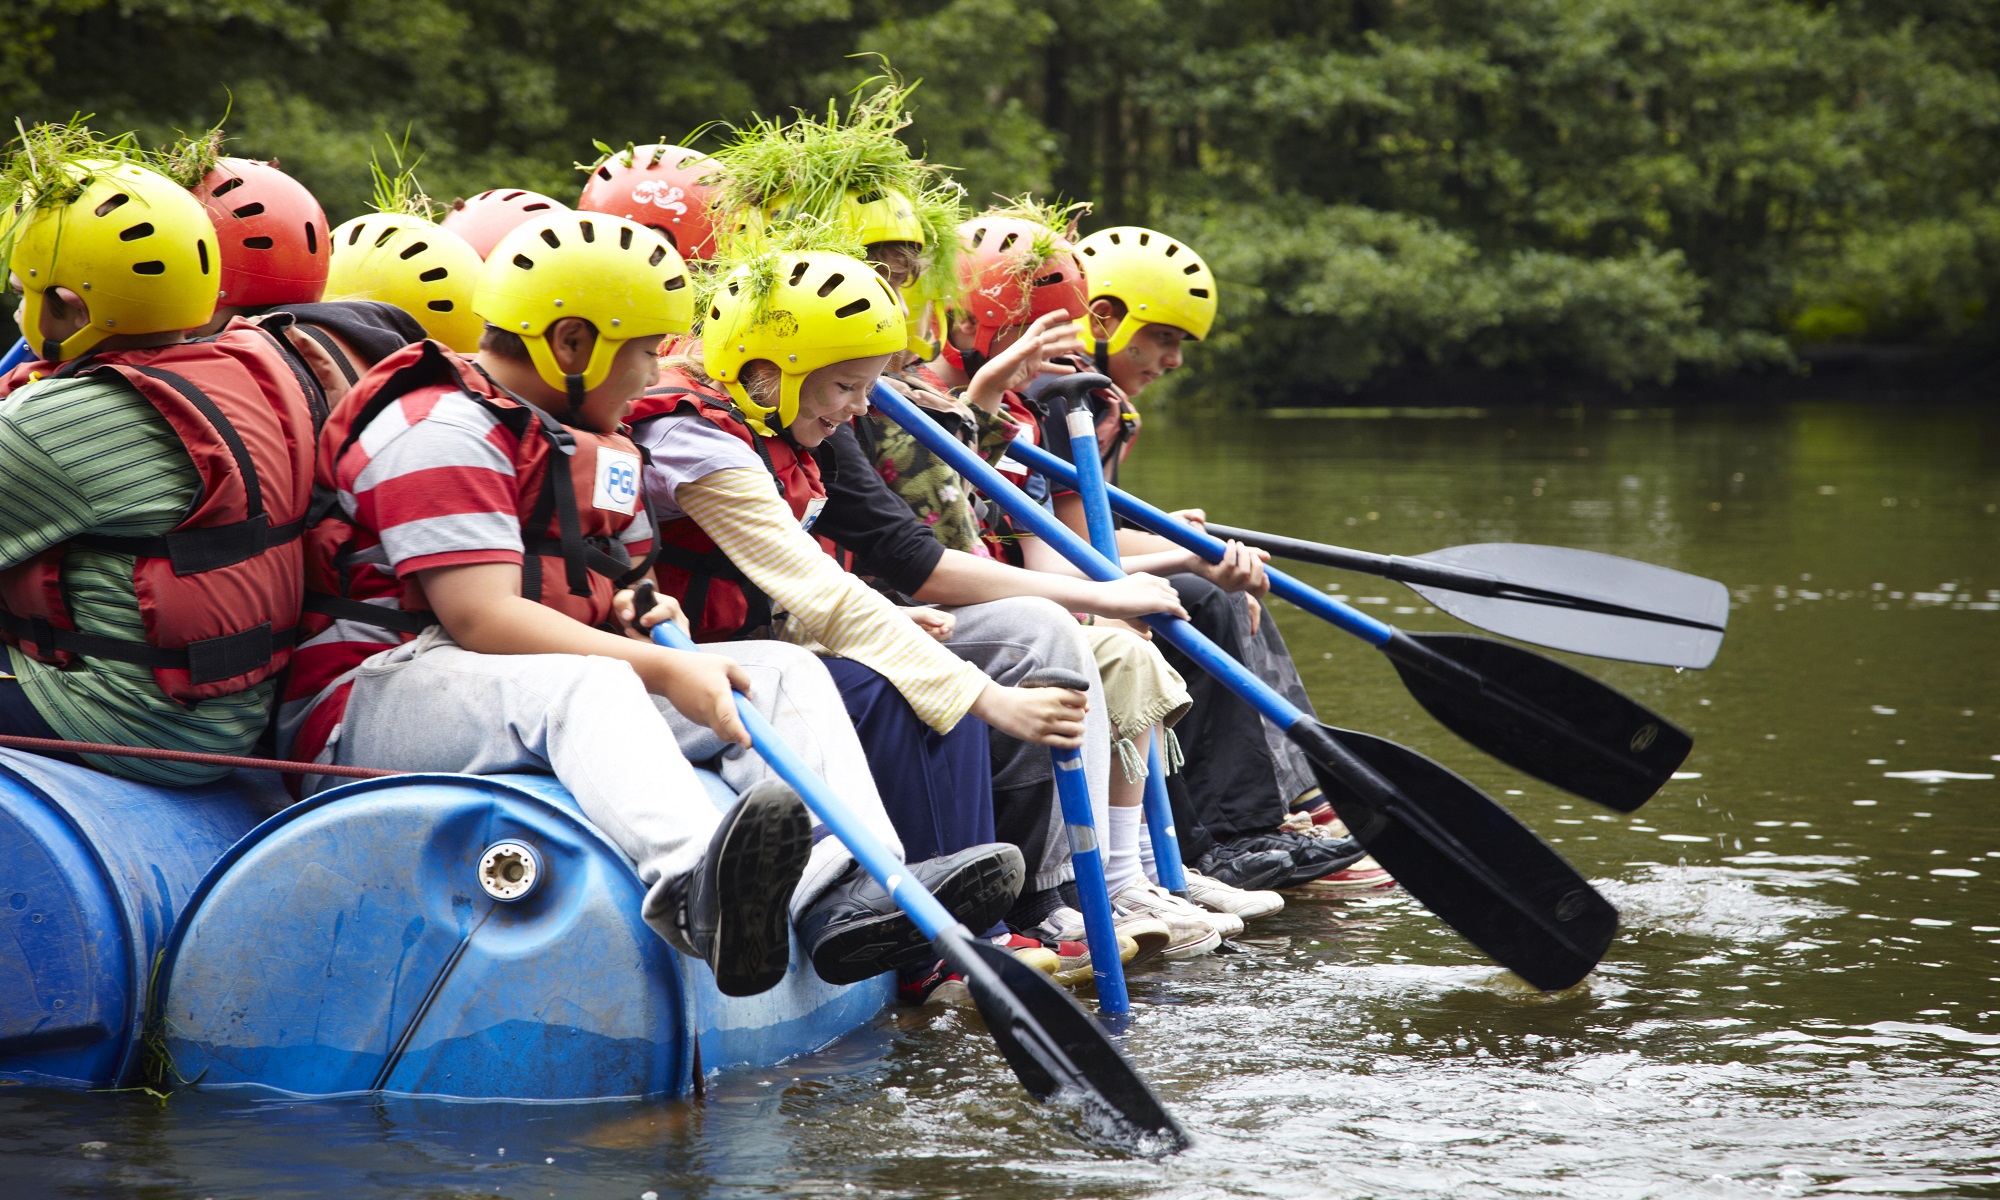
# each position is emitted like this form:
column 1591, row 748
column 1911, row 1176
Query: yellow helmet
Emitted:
column 924, row 304
column 883, row 215
column 420, row 267
column 822, row 309
column 1159, row 280
column 135, row 245
column 623, row 278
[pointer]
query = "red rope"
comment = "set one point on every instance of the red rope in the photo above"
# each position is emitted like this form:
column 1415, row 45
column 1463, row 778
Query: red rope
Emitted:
column 55, row 746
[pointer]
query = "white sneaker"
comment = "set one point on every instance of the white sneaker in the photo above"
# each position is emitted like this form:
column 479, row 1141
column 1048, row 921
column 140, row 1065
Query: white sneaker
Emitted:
column 1195, row 931
column 1217, row 896
column 1145, row 936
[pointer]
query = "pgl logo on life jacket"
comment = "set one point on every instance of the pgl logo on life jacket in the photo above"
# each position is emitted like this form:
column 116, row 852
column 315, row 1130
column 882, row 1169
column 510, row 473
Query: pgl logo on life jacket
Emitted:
column 617, row 487
column 659, row 195
column 813, row 507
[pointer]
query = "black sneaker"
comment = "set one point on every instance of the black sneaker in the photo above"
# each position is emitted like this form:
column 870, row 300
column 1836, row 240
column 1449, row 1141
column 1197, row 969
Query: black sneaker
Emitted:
column 855, row 931
column 1312, row 858
column 731, row 910
column 1250, row 870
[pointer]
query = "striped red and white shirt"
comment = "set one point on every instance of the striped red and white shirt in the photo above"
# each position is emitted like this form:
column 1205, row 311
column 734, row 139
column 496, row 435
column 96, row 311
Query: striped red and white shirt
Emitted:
column 432, row 481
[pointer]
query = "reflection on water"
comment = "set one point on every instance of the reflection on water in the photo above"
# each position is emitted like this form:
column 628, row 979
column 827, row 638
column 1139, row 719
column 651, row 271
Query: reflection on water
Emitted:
column 1802, row 1001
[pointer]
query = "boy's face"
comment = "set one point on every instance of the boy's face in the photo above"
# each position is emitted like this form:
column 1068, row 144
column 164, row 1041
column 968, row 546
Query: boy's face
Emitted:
column 832, row 396
column 1153, row 351
column 634, row 368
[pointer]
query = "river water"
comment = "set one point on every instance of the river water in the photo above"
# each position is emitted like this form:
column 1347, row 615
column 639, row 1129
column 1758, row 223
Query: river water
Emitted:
column 1804, row 999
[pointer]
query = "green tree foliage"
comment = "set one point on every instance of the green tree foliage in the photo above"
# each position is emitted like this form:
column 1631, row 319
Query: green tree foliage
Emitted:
column 1627, row 190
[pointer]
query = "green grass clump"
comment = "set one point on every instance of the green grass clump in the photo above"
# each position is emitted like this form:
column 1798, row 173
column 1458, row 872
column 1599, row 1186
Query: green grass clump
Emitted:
column 50, row 164
column 812, row 164
column 397, row 191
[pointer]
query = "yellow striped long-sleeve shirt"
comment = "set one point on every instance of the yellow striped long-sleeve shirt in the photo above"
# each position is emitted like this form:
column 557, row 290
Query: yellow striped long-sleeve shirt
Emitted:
column 739, row 510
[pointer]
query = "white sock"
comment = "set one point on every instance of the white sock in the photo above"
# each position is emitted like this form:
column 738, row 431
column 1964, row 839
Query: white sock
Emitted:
column 1121, row 860
column 1146, row 851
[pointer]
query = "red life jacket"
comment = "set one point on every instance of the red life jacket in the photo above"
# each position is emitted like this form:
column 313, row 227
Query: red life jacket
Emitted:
column 573, row 563
column 220, row 593
column 721, row 602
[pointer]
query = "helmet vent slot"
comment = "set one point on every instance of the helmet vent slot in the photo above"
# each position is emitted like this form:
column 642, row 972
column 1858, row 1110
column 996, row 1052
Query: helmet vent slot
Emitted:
column 604, row 173
column 1173, row 248
column 109, row 206
column 252, row 209
column 383, row 240
column 524, row 262
column 354, row 235
column 257, row 243
column 1115, row 239
column 714, row 314
column 798, row 273
column 624, row 237
column 869, row 197
column 227, row 186
column 439, row 306
column 415, row 249
column 676, row 283
column 1090, row 251
column 852, row 308
column 153, row 267
column 1145, row 239
column 1191, row 269
column 1007, row 243
column 142, row 229
column 826, row 289
column 512, row 195
column 1201, row 292
column 549, row 236
column 978, row 236
column 433, row 275
column 588, row 230
column 312, row 239
column 1046, row 280
column 201, row 251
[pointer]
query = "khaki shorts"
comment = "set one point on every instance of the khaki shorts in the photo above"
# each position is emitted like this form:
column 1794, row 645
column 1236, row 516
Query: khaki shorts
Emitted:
column 1140, row 689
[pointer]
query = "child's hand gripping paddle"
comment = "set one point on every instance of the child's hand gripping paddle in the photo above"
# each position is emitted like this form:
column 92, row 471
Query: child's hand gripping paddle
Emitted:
column 1527, row 710
column 1052, row 1044
column 1459, row 853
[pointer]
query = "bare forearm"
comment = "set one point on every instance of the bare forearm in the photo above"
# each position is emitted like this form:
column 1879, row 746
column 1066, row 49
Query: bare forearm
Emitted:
column 961, row 578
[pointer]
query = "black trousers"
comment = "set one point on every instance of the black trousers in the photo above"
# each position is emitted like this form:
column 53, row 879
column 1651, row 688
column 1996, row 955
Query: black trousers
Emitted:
column 1242, row 772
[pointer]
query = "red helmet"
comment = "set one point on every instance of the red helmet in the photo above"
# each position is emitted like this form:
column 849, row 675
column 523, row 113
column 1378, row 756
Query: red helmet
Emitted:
column 270, row 234
column 1000, row 288
column 486, row 218
column 658, row 186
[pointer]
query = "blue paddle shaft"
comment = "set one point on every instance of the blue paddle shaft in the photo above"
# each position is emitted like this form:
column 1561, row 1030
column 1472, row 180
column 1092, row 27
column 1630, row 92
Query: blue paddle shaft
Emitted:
column 1092, row 895
column 1160, row 823
column 1043, row 524
column 15, row 357
column 868, row 850
column 1095, row 492
column 1208, row 546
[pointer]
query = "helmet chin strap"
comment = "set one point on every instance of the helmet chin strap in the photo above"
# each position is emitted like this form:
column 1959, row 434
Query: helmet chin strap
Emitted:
column 1101, row 356
column 573, row 385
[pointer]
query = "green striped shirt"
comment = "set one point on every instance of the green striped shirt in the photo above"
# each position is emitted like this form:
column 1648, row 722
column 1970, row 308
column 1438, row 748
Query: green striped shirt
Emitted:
column 91, row 455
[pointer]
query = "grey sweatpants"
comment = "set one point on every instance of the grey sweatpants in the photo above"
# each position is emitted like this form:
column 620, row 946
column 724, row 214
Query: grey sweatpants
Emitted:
column 1010, row 640
column 431, row 705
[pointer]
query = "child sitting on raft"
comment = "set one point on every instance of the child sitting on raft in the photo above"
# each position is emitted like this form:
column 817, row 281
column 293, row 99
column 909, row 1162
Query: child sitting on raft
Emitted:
column 490, row 516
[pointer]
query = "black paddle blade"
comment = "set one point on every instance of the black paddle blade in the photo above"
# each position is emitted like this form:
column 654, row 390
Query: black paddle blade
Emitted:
column 1585, row 602
column 1463, row 856
column 1541, row 716
column 1055, row 1047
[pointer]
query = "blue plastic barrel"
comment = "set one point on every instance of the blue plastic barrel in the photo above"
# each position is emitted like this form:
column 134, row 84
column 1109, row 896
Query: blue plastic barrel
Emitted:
column 94, row 870
column 355, row 943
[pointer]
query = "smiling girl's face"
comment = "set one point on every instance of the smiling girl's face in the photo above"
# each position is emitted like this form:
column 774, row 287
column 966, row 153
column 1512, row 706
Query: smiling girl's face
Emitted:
column 834, row 395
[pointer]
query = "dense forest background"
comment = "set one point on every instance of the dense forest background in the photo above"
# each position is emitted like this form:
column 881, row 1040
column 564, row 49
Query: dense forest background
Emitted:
column 1623, row 191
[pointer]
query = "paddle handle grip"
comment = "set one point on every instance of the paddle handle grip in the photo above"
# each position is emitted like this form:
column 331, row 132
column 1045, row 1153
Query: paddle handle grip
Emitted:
column 1385, row 566
column 1043, row 524
column 19, row 354
column 910, row 896
column 1207, row 545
